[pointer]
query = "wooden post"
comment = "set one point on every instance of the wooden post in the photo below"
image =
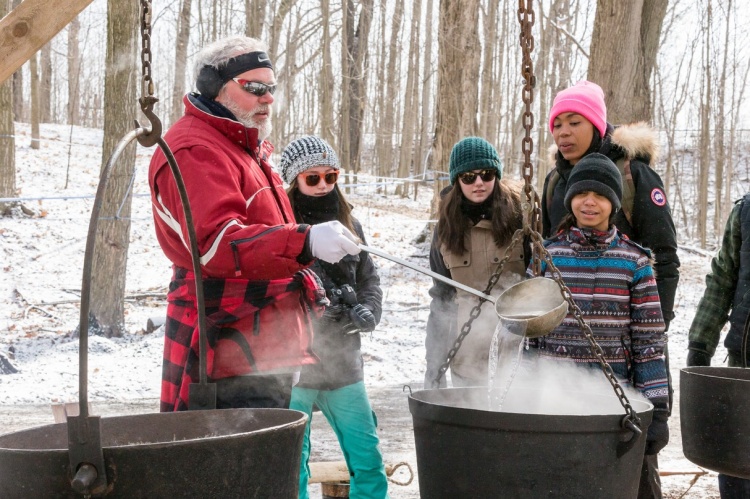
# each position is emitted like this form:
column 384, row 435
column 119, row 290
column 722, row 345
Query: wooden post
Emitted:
column 29, row 26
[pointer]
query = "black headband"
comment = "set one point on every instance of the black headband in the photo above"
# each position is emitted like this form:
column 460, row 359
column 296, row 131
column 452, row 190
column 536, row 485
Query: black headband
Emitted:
column 245, row 62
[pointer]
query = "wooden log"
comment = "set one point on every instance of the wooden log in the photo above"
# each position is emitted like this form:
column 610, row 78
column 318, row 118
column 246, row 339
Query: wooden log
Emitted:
column 336, row 471
column 29, row 26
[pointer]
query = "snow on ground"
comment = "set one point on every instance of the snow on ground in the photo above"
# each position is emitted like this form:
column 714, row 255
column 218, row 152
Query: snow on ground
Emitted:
column 42, row 260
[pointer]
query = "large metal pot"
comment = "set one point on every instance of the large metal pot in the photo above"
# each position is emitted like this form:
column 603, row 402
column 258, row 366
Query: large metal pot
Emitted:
column 715, row 418
column 215, row 453
column 464, row 450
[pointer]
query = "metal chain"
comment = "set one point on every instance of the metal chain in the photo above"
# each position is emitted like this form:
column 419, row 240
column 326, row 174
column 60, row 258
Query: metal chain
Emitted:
column 147, row 85
column 147, row 100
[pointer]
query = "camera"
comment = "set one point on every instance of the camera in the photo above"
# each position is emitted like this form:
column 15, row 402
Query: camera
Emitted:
column 344, row 295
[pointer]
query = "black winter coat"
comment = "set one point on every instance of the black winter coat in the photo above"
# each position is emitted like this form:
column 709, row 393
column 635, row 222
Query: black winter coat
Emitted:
column 652, row 225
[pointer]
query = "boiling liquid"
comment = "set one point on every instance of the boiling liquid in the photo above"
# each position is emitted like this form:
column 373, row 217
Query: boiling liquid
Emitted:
column 507, row 347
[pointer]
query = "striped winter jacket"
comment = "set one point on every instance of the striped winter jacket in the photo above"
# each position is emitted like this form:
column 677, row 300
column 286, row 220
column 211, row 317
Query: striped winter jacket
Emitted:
column 612, row 282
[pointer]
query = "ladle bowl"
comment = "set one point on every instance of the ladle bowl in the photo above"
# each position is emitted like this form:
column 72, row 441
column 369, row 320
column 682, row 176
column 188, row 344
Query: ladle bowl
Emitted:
column 535, row 306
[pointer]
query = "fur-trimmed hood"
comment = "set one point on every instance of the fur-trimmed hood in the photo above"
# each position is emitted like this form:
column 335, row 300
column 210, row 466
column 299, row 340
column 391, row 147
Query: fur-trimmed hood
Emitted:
column 637, row 140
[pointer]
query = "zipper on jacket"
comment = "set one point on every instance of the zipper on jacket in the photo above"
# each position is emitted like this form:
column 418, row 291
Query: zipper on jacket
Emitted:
column 234, row 244
column 256, row 323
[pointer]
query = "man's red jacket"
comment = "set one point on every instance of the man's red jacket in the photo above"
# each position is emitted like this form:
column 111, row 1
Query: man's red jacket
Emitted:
column 247, row 238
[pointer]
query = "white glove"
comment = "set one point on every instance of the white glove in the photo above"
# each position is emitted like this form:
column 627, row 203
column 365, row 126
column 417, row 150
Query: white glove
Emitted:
column 331, row 241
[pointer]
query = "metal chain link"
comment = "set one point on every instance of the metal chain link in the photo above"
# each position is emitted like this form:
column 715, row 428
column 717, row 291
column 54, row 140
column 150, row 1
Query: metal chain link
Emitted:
column 147, row 85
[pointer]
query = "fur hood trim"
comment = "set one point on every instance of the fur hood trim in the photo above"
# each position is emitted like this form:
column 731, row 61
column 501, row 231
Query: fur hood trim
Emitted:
column 638, row 140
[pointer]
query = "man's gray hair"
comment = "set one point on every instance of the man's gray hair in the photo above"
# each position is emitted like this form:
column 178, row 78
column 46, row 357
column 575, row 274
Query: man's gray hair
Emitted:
column 220, row 51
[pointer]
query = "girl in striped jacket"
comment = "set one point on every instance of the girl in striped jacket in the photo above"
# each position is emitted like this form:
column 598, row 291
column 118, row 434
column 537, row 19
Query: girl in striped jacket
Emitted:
column 612, row 282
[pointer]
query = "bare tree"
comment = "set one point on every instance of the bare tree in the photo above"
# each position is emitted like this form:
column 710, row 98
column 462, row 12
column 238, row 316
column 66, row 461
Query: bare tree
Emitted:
column 325, row 83
column 407, row 151
column 630, row 30
column 721, row 213
column 17, row 84
column 705, row 132
column 255, row 14
column 7, row 134
column 34, row 82
column 45, row 84
column 74, row 73
column 458, row 75
column 358, row 71
column 113, row 235
column 180, row 59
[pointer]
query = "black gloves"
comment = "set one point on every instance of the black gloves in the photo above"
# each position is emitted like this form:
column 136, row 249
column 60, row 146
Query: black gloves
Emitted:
column 658, row 432
column 362, row 318
column 698, row 358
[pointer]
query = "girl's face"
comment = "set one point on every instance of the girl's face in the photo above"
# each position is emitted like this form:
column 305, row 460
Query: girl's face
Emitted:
column 322, row 178
column 573, row 135
column 479, row 189
column 591, row 210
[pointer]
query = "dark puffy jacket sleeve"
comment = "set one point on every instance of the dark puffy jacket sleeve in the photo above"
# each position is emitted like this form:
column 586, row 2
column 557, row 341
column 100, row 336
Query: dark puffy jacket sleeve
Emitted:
column 652, row 216
column 441, row 323
column 369, row 293
column 546, row 223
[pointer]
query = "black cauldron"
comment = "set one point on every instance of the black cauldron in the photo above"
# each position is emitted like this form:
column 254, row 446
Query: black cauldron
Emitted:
column 465, row 450
column 214, row 453
column 715, row 418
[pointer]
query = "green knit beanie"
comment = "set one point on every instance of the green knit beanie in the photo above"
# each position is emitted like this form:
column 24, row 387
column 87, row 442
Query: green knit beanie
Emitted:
column 473, row 153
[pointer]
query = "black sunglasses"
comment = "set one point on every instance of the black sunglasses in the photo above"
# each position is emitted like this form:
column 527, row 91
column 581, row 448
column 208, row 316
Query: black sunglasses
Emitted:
column 255, row 87
column 469, row 178
column 313, row 179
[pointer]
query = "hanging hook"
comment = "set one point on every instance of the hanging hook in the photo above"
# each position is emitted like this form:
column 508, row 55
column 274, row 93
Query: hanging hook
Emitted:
column 151, row 137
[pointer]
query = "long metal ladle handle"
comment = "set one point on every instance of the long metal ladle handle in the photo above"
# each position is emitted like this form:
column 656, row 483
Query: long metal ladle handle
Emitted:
column 428, row 272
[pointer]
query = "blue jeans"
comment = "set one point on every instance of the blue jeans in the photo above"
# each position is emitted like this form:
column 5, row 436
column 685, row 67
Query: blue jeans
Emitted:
column 350, row 415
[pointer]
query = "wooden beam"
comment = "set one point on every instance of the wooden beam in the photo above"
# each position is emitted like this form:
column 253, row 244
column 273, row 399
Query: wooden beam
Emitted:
column 29, row 26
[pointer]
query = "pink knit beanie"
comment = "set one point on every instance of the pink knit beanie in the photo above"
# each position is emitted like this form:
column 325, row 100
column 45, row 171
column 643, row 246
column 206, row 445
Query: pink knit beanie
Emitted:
column 585, row 98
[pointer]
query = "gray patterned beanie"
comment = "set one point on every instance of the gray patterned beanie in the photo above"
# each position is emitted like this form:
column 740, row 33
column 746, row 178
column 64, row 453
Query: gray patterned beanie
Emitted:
column 305, row 153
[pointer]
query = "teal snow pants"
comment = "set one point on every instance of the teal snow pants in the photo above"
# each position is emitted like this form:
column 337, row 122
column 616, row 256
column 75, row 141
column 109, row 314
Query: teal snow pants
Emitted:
column 350, row 415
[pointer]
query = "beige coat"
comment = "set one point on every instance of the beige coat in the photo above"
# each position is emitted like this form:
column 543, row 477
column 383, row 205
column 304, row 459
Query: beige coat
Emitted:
column 474, row 268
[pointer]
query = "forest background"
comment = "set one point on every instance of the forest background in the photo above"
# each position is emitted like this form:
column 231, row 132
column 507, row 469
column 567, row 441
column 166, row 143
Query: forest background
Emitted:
column 393, row 85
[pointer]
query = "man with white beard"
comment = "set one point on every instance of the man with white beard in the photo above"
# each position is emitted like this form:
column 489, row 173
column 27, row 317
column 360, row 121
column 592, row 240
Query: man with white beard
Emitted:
column 254, row 257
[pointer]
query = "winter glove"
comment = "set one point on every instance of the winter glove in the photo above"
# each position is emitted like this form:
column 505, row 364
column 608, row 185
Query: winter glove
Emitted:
column 698, row 358
column 331, row 241
column 658, row 432
column 362, row 318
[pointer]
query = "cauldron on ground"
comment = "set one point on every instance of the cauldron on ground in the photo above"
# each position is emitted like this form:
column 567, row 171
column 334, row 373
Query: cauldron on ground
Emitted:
column 465, row 450
column 715, row 418
column 214, row 453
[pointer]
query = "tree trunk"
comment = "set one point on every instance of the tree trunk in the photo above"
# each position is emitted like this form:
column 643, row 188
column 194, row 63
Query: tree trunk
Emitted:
column 458, row 61
column 407, row 151
column 387, row 105
column 424, row 143
column 358, row 83
column 347, row 50
column 487, row 116
column 34, row 83
column 45, row 85
column 631, row 30
column 113, row 234
column 7, row 140
column 277, row 24
column 255, row 14
column 74, row 73
column 326, row 77
column 705, row 134
column 721, row 212
column 180, row 60
column 17, row 84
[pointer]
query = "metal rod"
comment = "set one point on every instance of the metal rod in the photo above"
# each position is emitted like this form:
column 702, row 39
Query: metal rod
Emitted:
column 428, row 272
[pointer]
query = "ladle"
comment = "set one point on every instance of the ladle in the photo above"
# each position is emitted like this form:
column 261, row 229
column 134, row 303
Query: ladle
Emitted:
column 534, row 306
